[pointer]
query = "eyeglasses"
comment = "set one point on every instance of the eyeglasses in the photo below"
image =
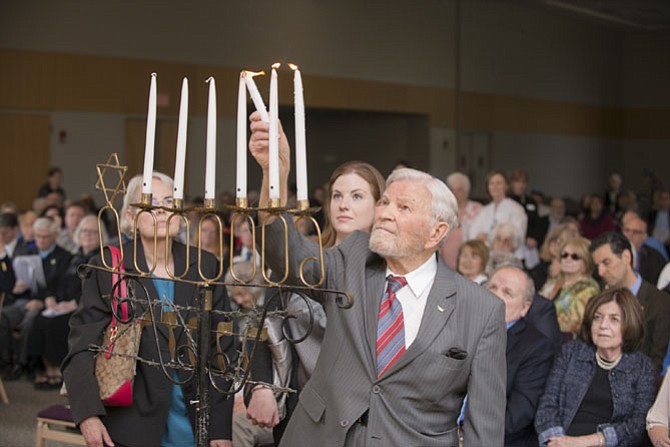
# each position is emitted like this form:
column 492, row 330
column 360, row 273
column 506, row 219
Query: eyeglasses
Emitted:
column 634, row 231
column 573, row 256
column 88, row 231
column 167, row 202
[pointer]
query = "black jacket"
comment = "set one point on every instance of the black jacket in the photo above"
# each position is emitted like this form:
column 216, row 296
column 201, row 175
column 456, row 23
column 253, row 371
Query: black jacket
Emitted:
column 530, row 355
column 143, row 423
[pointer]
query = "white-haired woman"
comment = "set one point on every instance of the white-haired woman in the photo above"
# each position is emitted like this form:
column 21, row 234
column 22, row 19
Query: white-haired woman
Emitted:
column 161, row 413
column 504, row 241
column 468, row 210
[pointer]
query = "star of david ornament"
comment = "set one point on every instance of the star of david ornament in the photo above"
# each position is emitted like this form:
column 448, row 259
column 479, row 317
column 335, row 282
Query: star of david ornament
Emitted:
column 113, row 166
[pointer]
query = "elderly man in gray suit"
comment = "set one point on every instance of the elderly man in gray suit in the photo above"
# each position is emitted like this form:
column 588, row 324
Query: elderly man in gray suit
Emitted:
column 395, row 367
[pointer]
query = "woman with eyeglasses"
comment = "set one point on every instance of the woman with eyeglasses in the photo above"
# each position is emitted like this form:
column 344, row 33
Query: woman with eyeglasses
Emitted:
column 48, row 335
column 574, row 285
column 161, row 412
column 601, row 386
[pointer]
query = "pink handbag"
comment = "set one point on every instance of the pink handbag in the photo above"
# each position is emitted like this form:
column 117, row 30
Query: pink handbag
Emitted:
column 115, row 365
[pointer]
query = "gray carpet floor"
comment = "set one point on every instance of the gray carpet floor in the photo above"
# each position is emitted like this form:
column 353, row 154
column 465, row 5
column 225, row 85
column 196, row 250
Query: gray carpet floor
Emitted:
column 18, row 418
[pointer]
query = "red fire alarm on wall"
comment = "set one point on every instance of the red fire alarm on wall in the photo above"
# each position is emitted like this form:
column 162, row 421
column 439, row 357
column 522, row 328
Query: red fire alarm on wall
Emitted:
column 62, row 136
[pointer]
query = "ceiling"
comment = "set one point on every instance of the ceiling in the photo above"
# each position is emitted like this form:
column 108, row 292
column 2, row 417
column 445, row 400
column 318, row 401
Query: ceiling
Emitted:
column 651, row 15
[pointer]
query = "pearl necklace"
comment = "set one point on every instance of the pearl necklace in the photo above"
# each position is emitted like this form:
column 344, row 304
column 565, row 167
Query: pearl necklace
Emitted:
column 604, row 364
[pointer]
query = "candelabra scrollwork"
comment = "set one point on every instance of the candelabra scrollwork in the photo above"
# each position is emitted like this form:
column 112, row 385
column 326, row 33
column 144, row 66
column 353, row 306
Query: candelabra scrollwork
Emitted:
column 194, row 344
column 243, row 214
column 178, row 213
column 209, row 213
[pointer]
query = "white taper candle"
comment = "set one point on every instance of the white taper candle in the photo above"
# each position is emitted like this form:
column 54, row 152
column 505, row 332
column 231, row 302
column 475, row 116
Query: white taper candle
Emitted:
column 180, row 159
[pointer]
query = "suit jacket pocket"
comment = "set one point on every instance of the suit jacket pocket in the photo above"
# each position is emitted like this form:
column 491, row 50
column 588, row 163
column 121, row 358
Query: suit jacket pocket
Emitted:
column 451, row 363
column 312, row 403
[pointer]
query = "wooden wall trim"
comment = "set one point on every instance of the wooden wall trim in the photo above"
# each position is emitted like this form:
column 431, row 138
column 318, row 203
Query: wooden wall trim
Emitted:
column 73, row 82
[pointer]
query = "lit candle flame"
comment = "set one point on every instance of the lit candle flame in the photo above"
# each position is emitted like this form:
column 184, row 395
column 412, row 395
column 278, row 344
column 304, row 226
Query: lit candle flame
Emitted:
column 251, row 74
column 276, row 65
column 293, row 66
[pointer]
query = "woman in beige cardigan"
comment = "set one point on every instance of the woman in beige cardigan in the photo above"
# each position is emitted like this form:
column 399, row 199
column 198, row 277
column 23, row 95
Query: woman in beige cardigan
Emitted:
column 658, row 416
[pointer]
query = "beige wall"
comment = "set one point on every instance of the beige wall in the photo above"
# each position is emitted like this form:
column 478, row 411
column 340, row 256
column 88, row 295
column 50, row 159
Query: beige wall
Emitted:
column 530, row 78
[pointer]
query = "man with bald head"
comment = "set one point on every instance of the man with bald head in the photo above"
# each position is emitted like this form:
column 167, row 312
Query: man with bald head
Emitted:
column 648, row 261
column 530, row 355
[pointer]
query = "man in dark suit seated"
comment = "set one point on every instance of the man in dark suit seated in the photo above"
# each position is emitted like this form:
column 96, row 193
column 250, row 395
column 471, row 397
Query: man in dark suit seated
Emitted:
column 30, row 299
column 659, row 217
column 530, row 355
column 11, row 245
column 395, row 367
column 613, row 255
column 648, row 262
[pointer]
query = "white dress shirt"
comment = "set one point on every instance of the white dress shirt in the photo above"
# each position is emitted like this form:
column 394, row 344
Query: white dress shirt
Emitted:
column 491, row 215
column 413, row 297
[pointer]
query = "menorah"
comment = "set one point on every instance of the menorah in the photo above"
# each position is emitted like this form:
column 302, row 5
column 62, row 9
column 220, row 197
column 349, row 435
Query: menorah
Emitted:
column 195, row 356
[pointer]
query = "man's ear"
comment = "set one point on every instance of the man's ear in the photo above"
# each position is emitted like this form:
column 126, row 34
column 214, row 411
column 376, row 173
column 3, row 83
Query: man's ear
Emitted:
column 439, row 232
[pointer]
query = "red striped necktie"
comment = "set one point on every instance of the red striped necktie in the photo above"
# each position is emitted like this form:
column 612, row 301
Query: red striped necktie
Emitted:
column 390, row 326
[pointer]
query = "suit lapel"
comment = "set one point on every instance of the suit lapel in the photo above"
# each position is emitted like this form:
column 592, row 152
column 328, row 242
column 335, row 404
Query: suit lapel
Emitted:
column 439, row 307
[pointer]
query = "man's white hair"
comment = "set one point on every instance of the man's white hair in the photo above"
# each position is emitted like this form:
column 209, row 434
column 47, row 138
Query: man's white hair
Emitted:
column 443, row 201
column 46, row 223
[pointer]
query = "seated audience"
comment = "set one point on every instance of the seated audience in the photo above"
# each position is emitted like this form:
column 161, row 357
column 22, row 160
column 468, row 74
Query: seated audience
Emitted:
column 659, row 216
column 47, row 340
column 211, row 239
column 612, row 253
column 550, row 258
column 53, row 183
column 556, row 212
column 530, row 355
column 597, row 219
column 472, row 259
column 26, row 221
column 575, row 285
column 537, row 224
column 55, row 213
column 11, row 243
column 648, row 261
column 29, row 301
column 600, row 387
column 501, row 209
column 459, row 184
column 504, row 242
column 505, row 237
column 612, row 192
column 626, row 202
column 245, row 240
column 74, row 213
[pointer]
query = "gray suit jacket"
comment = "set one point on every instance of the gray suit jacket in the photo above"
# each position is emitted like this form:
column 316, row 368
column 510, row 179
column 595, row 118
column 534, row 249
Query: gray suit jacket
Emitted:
column 417, row 401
